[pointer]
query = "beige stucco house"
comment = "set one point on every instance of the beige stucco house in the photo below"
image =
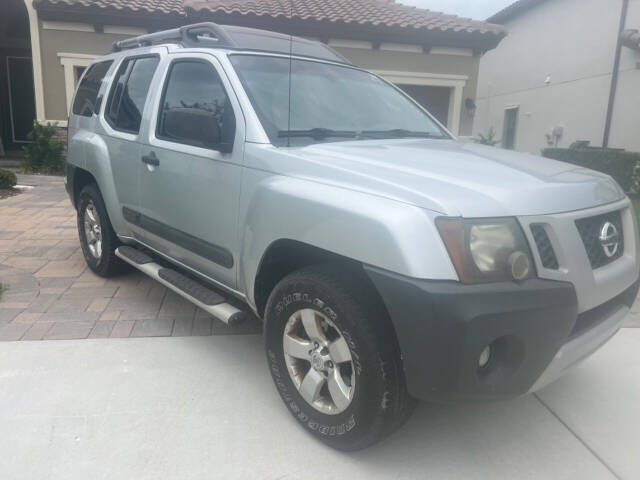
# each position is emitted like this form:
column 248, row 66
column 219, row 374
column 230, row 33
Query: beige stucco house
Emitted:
column 46, row 44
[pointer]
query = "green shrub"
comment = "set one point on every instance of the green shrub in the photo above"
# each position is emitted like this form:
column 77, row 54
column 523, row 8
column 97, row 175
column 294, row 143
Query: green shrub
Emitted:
column 619, row 164
column 488, row 139
column 7, row 178
column 44, row 154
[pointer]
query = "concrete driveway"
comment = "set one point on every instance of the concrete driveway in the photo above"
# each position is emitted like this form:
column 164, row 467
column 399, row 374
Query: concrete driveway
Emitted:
column 205, row 407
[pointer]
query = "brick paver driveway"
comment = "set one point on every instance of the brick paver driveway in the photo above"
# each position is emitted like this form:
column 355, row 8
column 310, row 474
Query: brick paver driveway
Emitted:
column 51, row 294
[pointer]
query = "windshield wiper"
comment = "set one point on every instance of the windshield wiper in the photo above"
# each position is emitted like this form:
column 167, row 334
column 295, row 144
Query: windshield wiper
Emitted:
column 321, row 133
column 400, row 133
column 317, row 133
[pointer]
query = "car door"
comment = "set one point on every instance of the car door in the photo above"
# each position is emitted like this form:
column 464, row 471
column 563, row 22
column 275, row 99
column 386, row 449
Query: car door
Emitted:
column 121, row 122
column 191, row 167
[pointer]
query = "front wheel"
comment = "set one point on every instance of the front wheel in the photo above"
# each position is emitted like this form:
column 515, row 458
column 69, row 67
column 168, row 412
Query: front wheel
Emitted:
column 334, row 358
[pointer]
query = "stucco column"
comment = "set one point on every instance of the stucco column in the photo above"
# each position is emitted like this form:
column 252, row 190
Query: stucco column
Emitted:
column 36, row 59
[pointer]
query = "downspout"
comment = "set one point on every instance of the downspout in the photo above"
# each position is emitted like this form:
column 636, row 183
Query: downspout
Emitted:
column 614, row 77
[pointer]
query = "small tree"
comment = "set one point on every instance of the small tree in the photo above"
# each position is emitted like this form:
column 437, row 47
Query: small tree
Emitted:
column 488, row 139
column 44, row 153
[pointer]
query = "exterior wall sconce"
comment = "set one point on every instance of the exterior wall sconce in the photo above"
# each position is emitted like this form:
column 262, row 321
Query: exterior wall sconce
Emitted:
column 470, row 106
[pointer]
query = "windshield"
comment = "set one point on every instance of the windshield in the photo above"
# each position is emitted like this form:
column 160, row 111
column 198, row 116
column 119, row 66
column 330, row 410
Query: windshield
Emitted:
column 328, row 102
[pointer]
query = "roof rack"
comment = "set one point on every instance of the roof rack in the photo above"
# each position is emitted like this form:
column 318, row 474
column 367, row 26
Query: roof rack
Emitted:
column 189, row 36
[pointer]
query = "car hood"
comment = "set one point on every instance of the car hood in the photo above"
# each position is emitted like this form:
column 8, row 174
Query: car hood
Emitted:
column 457, row 178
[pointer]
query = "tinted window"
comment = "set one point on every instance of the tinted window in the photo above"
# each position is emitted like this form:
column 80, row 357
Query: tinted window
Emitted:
column 129, row 93
column 85, row 101
column 195, row 108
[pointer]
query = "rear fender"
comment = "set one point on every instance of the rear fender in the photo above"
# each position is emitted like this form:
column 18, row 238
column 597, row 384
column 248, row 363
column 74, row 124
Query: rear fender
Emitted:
column 89, row 152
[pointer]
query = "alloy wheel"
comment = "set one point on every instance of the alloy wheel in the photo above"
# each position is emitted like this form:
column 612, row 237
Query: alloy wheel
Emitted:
column 93, row 230
column 319, row 361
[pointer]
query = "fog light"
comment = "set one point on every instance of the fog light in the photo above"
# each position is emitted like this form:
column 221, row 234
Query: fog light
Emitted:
column 520, row 265
column 484, row 357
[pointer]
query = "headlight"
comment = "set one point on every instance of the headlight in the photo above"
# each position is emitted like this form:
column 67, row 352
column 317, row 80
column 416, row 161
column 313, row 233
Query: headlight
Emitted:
column 487, row 249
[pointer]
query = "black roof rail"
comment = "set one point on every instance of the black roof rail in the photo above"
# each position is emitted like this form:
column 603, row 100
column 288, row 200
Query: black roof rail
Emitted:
column 189, row 36
column 211, row 35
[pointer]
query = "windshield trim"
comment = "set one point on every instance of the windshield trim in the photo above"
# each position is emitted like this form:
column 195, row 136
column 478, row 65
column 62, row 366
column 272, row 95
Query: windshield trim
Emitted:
column 446, row 134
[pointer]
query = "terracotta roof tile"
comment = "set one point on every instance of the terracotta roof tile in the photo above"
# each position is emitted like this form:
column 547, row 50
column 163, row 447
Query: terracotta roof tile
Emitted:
column 163, row 6
column 373, row 12
column 364, row 12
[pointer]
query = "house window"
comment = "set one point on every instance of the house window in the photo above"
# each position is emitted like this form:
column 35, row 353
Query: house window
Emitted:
column 73, row 65
column 510, row 128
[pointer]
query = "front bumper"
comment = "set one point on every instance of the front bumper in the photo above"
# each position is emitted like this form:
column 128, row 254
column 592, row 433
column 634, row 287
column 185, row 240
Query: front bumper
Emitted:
column 533, row 327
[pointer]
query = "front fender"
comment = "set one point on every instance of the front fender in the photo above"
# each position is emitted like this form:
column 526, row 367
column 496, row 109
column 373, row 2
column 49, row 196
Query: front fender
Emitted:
column 376, row 231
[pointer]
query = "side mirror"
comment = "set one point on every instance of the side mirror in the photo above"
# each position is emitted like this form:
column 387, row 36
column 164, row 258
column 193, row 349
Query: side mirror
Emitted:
column 194, row 126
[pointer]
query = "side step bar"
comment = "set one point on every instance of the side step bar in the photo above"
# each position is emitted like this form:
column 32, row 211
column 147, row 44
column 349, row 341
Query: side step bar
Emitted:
column 205, row 298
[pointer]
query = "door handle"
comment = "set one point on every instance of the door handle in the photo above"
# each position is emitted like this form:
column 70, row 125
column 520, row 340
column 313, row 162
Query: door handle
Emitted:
column 151, row 159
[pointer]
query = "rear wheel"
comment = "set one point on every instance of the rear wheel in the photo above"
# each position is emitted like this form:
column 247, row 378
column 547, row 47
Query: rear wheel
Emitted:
column 334, row 358
column 97, row 237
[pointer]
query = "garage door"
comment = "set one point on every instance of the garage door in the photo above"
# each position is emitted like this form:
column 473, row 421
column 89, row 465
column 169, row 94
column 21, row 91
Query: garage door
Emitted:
column 434, row 99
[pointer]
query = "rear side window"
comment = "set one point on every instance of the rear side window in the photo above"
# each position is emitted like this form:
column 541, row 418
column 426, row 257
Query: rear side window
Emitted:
column 129, row 93
column 195, row 109
column 85, row 102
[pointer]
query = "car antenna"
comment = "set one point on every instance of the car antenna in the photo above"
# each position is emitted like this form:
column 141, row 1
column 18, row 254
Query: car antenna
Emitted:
column 290, row 68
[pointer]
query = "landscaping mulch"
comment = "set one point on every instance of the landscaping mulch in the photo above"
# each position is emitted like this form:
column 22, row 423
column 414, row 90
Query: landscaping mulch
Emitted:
column 8, row 192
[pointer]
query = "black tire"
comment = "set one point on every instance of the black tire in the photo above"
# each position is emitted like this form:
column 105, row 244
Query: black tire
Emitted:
column 380, row 401
column 108, row 264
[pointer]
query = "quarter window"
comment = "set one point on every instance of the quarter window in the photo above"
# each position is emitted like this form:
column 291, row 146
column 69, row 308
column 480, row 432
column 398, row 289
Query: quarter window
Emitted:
column 195, row 109
column 87, row 94
column 129, row 93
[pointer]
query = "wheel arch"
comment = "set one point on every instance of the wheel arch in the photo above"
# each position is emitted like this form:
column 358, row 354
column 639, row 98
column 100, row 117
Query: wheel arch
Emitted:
column 285, row 256
column 81, row 178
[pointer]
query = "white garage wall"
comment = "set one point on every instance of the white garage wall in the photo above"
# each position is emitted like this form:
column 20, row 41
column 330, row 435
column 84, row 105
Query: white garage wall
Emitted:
column 625, row 125
column 573, row 43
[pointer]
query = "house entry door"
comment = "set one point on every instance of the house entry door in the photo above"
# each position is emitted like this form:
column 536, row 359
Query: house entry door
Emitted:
column 22, row 106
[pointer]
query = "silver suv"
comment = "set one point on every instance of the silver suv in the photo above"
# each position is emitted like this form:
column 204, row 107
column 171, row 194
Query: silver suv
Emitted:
column 255, row 173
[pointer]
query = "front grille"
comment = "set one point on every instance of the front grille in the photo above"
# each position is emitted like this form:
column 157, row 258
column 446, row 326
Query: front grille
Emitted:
column 590, row 229
column 545, row 249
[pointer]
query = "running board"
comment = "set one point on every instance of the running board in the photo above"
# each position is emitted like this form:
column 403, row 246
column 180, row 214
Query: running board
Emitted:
column 205, row 298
